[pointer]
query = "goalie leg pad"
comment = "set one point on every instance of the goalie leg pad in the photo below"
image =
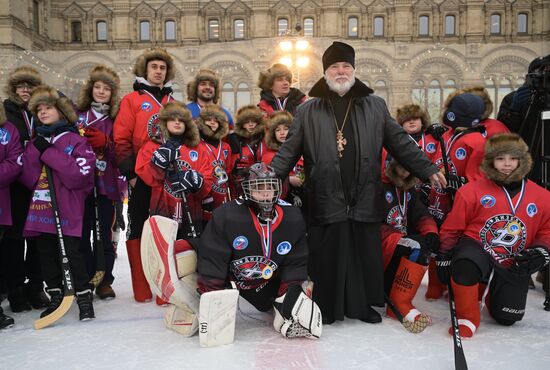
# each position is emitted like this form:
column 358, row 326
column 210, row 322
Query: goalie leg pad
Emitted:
column 181, row 319
column 217, row 317
column 186, row 263
column 297, row 315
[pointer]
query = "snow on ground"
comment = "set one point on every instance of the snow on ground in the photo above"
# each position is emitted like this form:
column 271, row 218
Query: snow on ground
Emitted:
column 131, row 335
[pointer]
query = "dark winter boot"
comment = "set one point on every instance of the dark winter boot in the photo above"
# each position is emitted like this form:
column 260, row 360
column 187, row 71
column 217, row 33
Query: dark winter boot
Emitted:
column 105, row 291
column 84, row 300
column 56, row 297
column 5, row 321
column 18, row 300
column 36, row 295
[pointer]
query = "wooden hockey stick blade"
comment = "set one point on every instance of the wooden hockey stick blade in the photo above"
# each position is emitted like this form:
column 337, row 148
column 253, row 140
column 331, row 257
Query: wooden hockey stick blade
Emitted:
column 66, row 303
column 97, row 278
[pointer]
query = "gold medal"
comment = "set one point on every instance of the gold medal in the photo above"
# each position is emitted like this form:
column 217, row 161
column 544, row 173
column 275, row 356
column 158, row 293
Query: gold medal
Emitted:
column 514, row 228
column 267, row 272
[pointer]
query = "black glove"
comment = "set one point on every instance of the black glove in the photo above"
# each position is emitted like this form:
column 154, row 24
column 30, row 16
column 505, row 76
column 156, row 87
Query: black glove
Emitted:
column 164, row 155
column 188, row 181
column 520, row 98
column 443, row 267
column 530, row 260
column 234, row 143
column 436, row 130
column 454, row 182
column 41, row 144
column 432, row 242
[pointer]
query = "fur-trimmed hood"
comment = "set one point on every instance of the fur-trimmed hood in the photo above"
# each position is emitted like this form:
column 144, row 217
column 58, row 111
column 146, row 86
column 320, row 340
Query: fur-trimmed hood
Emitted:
column 140, row 68
column 507, row 143
column 177, row 109
column 21, row 74
column 391, row 174
column 483, row 94
column 276, row 119
column 412, row 111
column 249, row 113
column 2, row 114
column 215, row 112
column 44, row 94
column 104, row 74
column 204, row 75
column 266, row 78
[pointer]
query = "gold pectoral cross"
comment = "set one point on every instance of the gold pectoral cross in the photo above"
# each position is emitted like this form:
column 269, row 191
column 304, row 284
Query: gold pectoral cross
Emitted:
column 340, row 142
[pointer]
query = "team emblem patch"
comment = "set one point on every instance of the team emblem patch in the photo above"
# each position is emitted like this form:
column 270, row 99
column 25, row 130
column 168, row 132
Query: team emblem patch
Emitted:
column 193, row 155
column 248, row 270
column 531, row 209
column 503, row 236
column 153, row 127
column 487, row 201
column 68, row 149
column 389, row 197
column 4, row 136
column 451, row 116
column 283, row 248
column 395, row 219
column 146, row 106
column 225, row 153
column 460, row 154
column 240, row 243
column 430, row 148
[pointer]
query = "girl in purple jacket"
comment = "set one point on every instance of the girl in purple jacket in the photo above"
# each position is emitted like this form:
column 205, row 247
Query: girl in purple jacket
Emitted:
column 72, row 162
column 96, row 109
column 10, row 150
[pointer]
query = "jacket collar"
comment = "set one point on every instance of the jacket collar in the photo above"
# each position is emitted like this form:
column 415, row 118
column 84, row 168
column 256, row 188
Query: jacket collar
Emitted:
column 321, row 90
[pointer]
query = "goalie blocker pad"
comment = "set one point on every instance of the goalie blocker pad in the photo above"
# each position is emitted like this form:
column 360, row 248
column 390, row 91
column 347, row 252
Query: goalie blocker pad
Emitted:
column 217, row 317
column 160, row 268
column 297, row 315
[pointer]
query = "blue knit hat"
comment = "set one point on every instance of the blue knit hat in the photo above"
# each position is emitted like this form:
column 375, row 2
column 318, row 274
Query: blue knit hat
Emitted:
column 465, row 110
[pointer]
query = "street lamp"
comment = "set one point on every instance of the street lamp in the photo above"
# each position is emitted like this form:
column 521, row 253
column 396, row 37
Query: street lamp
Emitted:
column 294, row 55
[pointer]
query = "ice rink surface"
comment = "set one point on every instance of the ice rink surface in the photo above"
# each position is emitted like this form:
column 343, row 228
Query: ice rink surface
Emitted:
column 131, row 335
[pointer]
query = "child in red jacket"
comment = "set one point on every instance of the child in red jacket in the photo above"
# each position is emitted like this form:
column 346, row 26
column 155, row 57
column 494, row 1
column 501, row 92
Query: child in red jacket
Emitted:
column 497, row 233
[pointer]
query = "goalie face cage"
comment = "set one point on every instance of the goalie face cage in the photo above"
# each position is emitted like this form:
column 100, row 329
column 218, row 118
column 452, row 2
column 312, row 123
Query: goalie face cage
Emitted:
column 262, row 194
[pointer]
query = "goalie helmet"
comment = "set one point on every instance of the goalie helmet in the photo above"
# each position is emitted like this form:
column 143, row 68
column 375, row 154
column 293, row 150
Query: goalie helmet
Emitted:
column 261, row 190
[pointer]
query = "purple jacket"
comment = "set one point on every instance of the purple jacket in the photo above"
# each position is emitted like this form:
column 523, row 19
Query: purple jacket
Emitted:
column 10, row 150
column 72, row 161
column 106, row 173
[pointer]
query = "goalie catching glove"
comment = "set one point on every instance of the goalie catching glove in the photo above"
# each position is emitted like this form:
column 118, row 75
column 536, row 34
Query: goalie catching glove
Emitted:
column 296, row 315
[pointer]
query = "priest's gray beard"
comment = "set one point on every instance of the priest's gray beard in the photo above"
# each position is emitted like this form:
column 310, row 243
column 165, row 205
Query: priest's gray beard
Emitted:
column 340, row 88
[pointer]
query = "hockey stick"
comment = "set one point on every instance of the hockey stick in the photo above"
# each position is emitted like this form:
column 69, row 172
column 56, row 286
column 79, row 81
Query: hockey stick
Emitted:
column 193, row 232
column 68, row 297
column 460, row 359
column 98, row 247
column 415, row 327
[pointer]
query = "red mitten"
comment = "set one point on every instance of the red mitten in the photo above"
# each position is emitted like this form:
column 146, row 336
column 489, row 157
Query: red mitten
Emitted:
column 96, row 138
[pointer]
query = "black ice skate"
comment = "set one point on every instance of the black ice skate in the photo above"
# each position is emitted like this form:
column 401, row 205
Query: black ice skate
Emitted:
column 84, row 300
column 5, row 321
column 56, row 296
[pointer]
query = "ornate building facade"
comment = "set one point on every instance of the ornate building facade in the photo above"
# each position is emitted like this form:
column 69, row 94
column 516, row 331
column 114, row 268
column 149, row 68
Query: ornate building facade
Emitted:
column 406, row 50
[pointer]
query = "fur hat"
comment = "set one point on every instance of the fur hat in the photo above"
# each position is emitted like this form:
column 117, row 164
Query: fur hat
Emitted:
column 411, row 111
column 249, row 113
column 140, row 68
column 463, row 110
column 483, row 94
column 21, row 74
column 104, row 74
column 507, row 143
column 48, row 95
column 391, row 174
column 2, row 114
column 204, row 75
column 215, row 112
column 338, row 52
column 176, row 109
column 265, row 81
column 278, row 118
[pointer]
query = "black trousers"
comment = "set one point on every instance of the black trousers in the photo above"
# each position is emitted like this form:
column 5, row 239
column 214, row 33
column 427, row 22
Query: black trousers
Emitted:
column 106, row 211
column 139, row 198
column 51, row 264
column 346, row 266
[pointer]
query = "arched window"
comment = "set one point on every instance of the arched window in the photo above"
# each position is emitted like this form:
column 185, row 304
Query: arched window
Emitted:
column 449, row 88
column 101, row 31
column 76, row 31
column 381, row 90
column 282, row 26
column 504, row 87
column 423, row 25
column 238, row 29
column 522, row 23
column 144, row 31
column 243, row 95
column 491, row 90
column 495, row 24
column 228, row 97
column 235, row 96
column 378, row 26
column 418, row 95
column 213, row 29
column 353, row 27
column 450, row 28
column 308, row 27
column 434, row 100
column 170, row 30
